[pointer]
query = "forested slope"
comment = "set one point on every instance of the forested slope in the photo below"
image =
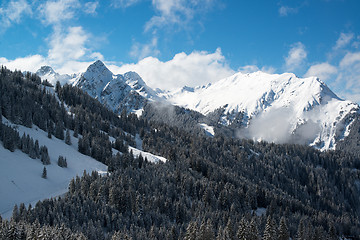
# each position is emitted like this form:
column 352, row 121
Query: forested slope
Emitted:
column 209, row 188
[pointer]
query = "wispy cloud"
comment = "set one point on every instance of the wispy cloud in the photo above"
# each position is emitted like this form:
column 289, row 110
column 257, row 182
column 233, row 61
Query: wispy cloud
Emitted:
column 124, row 3
column 255, row 68
column 296, row 56
column 176, row 12
column 350, row 59
column 140, row 51
column 196, row 68
column 343, row 40
column 90, row 7
column 343, row 73
column 349, row 76
column 285, row 11
column 13, row 12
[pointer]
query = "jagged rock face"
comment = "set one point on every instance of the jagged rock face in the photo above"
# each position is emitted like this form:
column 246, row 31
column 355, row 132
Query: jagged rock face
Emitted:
column 118, row 92
column 280, row 108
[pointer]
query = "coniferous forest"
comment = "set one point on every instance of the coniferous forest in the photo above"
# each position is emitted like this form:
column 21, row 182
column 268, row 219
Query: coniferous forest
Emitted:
column 210, row 187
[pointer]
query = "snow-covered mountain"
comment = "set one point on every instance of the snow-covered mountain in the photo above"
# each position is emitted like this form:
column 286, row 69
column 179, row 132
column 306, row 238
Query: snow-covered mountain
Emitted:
column 118, row 92
column 273, row 107
column 280, row 108
column 47, row 73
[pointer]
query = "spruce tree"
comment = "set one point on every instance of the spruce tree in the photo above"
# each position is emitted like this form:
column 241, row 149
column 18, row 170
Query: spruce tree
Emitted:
column 62, row 162
column 270, row 229
column 191, row 231
column 243, row 230
column 253, row 230
column 283, row 231
column 67, row 137
column 44, row 173
column 301, row 230
column 206, row 231
column 44, row 155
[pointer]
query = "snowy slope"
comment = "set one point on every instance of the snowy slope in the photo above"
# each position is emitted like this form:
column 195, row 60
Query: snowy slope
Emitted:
column 20, row 176
column 273, row 107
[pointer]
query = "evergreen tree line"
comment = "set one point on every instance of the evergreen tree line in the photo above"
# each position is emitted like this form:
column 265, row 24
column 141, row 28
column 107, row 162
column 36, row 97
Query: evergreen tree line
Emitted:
column 11, row 141
column 11, row 230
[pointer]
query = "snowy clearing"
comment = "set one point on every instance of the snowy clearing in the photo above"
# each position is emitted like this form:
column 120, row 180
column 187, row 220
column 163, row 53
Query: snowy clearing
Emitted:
column 20, row 176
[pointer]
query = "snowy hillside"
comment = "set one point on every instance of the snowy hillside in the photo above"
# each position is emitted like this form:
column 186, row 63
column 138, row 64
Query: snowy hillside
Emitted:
column 273, row 107
column 20, row 175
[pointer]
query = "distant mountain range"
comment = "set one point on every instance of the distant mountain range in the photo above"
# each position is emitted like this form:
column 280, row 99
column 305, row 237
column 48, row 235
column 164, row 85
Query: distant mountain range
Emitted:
column 277, row 108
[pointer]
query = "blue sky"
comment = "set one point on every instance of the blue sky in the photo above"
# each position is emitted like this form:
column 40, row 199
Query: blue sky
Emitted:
column 172, row 43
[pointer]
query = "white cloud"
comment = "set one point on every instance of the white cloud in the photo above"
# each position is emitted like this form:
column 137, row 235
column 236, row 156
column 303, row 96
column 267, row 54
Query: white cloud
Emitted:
column 68, row 53
column 176, row 12
column 322, row 70
column 285, row 11
column 54, row 12
column 67, row 46
column 13, row 12
column 140, row 51
column 344, row 39
column 296, row 56
column 73, row 66
column 196, row 68
column 29, row 63
column 124, row 3
column 90, row 7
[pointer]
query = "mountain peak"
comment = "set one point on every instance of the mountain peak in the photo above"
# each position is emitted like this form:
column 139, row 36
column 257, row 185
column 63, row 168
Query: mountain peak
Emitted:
column 45, row 70
column 97, row 71
column 97, row 66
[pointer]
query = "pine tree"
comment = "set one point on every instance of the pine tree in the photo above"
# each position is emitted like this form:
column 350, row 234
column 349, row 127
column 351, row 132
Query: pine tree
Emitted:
column 45, row 159
column 332, row 232
column 243, row 230
column 206, row 231
column 270, row 229
column 44, row 173
column 253, row 230
column 67, row 137
column 59, row 130
column 49, row 129
column 62, row 162
column 283, row 231
column 228, row 231
column 37, row 149
column 191, row 231
column 301, row 230
column 15, row 213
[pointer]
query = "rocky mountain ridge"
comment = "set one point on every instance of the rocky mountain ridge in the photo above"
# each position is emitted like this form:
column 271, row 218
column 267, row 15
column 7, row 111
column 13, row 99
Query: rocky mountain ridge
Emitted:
column 278, row 108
